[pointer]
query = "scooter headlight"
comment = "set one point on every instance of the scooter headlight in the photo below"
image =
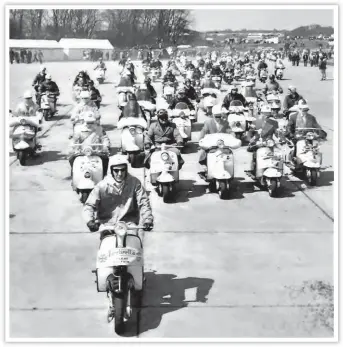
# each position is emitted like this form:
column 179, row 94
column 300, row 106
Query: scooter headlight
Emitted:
column 138, row 130
column 132, row 131
column 270, row 143
column 87, row 175
column 23, row 121
column 165, row 156
column 87, row 151
column 120, row 229
column 220, row 144
column 238, row 124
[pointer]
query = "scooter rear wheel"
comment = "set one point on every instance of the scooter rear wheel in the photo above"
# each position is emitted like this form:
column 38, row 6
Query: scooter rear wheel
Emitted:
column 166, row 193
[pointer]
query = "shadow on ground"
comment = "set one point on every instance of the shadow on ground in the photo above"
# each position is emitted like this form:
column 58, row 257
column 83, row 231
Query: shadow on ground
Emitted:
column 165, row 293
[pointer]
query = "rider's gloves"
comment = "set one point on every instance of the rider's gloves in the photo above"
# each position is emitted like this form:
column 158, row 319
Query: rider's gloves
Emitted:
column 93, row 226
column 148, row 225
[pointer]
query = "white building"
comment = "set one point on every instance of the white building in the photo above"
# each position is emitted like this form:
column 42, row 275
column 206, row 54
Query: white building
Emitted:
column 51, row 49
column 74, row 48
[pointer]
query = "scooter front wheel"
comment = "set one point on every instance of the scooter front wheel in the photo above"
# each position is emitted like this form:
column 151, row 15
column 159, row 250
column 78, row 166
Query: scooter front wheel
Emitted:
column 166, row 192
column 223, row 190
column 312, row 177
column 272, row 188
column 21, row 155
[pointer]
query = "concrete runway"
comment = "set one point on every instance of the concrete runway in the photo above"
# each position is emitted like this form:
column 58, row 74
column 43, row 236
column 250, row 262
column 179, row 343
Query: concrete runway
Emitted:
column 234, row 268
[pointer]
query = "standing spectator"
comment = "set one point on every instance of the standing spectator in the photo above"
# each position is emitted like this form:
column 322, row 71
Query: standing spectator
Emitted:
column 11, row 56
column 35, row 56
column 17, row 57
column 29, row 56
column 22, row 56
column 113, row 57
column 322, row 68
column 107, row 55
column 40, row 56
column 121, row 55
column 25, row 56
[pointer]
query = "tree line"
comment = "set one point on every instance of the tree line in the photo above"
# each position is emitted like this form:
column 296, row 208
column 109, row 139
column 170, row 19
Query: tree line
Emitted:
column 123, row 28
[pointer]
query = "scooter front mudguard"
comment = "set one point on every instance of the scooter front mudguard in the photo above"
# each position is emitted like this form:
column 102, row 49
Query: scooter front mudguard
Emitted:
column 131, row 143
column 311, row 164
column 165, row 177
column 21, row 145
column 85, row 184
column 220, row 164
column 272, row 173
column 83, row 164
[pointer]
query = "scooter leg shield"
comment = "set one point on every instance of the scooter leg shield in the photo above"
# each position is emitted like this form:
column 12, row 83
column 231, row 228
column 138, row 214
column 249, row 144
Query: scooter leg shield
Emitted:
column 272, row 173
column 165, row 177
column 128, row 141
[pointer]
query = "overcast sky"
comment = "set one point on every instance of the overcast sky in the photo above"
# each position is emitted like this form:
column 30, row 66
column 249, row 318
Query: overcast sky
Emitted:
column 259, row 19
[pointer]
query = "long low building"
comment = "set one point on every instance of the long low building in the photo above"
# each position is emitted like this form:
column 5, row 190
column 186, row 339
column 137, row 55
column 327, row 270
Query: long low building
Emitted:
column 51, row 49
column 74, row 49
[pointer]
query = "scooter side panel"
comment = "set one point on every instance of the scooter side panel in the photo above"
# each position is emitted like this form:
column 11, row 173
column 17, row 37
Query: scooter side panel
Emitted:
column 262, row 163
column 219, row 163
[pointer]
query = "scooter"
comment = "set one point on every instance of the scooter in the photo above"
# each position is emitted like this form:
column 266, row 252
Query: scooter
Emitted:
column 237, row 118
column 169, row 92
column 155, row 74
column 308, row 158
column 210, row 97
column 164, row 171
column 268, row 166
column 87, row 168
column 132, row 138
column 217, row 81
column 228, row 77
column 119, row 271
column 149, row 110
column 220, row 162
column 181, row 116
column 263, row 75
column 122, row 95
column 279, row 73
column 48, row 102
column 237, row 74
column 24, row 137
column 100, row 75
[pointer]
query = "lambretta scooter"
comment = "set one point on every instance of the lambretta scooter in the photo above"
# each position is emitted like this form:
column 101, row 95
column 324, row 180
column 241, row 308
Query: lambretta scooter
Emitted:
column 263, row 75
column 48, row 102
column 220, row 161
column 268, row 165
column 210, row 98
column 100, row 75
column 217, row 80
column 122, row 93
column 308, row 158
column 169, row 92
column 119, row 271
column 164, row 171
column 24, row 137
column 87, row 168
column 181, row 116
column 132, row 138
column 237, row 118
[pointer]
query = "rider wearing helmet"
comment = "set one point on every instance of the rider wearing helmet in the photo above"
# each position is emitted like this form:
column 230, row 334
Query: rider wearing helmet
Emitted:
column 291, row 99
column 156, row 64
column 181, row 97
column 118, row 197
column 217, row 124
column 261, row 65
column 40, row 78
column 86, row 104
column 169, row 76
column 91, row 133
column 216, row 70
column 233, row 95
column 191, row 94
column 83, row 76
column 101, row 65
column 95, row 94
column 26, row 108
column 49, row 86
column 163, row 131
column 207, row 81
column 272, row 85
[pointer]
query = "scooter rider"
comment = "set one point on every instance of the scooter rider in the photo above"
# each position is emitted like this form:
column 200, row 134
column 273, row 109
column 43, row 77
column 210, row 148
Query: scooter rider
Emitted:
column 291, row 99
column 27, row 108
column 156, row 64
column 191, row 94
column 86, row 104
column 217, row 124
column 265, row 128
column 163, row 131
column 181, row 97
column 51, row 87
column 151, row 90
column 169, row 76
column 101, row 65
column 91, row 133
column 189, row 65
column 261, row 65
column 233, row 95
column 207, row 81
column 216, row 70
column 272, row 85
column 95, row 95
column 83, row 75
column 40, row 78
column 118, row 197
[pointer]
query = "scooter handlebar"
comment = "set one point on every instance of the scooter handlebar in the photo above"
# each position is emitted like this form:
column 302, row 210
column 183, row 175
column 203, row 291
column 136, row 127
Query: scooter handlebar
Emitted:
column 105, row 227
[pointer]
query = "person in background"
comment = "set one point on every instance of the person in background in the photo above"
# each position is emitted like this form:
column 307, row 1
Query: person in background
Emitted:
column 29, row 56
column 322, row 67
column 17, row 57
column 35, row 57
column 40, row 56
column 12, row 55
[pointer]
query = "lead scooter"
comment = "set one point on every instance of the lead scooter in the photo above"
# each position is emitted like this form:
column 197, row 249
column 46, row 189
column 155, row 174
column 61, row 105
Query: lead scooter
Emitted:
column 164, row 171
column 119, row 271
column 220, row 161
column 24, row 137
column 268, row 165
column 308, row 158
column 87, row 168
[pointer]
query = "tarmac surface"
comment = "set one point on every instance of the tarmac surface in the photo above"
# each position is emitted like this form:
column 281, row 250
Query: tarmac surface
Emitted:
column 241, row 267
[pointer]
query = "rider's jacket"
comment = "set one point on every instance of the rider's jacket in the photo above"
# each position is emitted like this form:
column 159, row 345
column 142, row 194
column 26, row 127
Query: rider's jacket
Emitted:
column 110, row 202
column 81, row 108
column 84, row 135
column 26, row 111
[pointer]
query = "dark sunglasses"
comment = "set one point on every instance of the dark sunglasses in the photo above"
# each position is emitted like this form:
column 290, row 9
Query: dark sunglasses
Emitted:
column 119, row 170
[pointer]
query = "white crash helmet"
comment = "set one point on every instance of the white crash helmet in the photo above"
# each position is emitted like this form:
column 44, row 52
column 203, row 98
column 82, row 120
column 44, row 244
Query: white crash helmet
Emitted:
column 217, row 109
column 42, row 68
column 303, row 105
column 117, row 160
column 28, row 94
column 48, row 77
column 275, row 106
column 85, row 95
column 266, row 109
